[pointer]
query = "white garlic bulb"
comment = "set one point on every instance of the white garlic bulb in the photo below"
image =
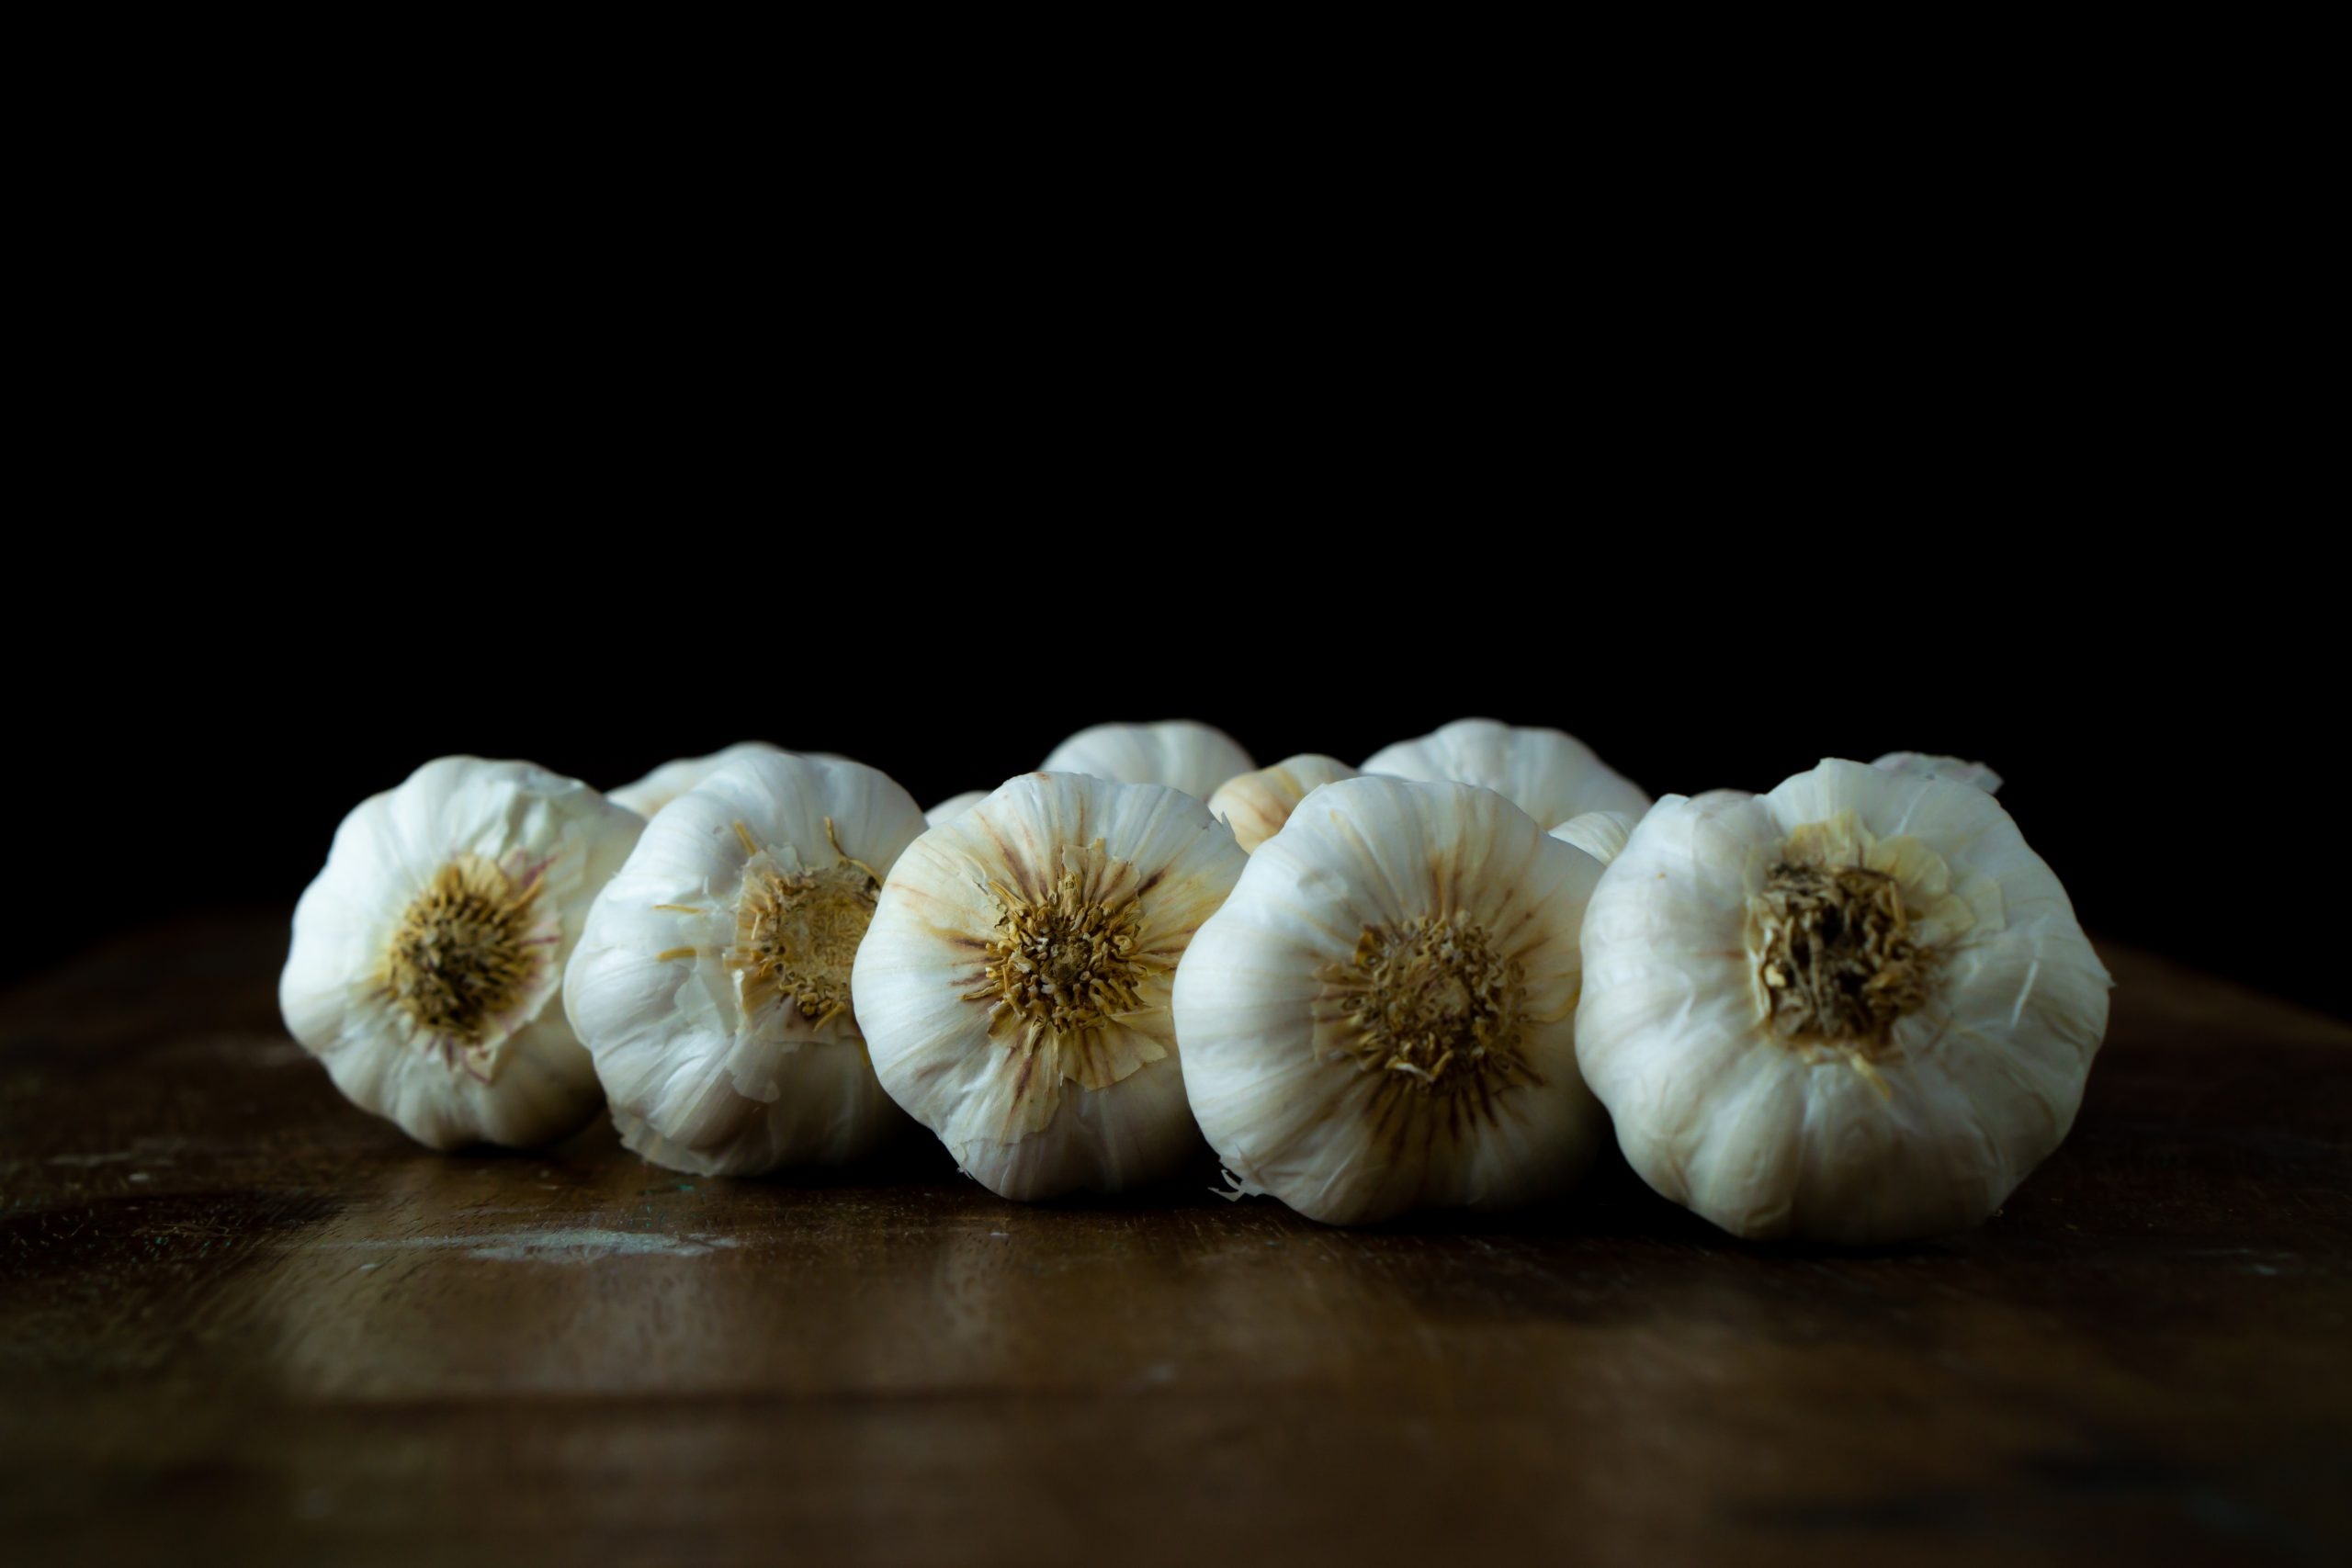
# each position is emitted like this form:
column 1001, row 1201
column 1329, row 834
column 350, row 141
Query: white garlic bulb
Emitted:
column 427, row 955
column 1178, row 752
column 1256, row 805
column 1383, row 1015
column 1857, row 1009
column 1013, row 987
column 665, row 783
column 712, row 982
column 1600, row 834
column 955, row 806
column 1549, row 776
column 1958, row 769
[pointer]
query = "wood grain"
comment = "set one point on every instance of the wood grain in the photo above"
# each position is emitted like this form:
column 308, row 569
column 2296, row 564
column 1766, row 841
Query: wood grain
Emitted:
column 240, row 1320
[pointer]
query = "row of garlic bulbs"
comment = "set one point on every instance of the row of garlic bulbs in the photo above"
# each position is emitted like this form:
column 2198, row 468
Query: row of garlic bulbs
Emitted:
column 1858, row 1008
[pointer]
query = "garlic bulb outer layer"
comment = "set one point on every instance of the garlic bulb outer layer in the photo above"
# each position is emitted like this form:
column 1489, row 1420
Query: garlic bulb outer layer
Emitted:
column 1550, row 775
column 1013, row 987
column 1382, row 1016
column 1957, row 769
column 1857, row 1009
column 712, row 982
column 1600, row 834
column 1179, row 753
column 1256, row 805
column 665, row 783
column 955, row 806
column 428, row 956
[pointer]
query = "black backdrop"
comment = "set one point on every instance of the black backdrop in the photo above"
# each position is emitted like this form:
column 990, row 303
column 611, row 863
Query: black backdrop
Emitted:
column 192, row 720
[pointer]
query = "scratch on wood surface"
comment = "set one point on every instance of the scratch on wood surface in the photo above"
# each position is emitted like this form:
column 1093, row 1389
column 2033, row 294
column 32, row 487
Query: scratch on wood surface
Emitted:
column 575, row 1245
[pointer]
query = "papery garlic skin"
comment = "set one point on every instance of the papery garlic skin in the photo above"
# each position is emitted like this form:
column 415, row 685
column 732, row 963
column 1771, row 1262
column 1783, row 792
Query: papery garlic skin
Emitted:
column 711, row 984
column 1784, row 1054
column 1600, row 834
column 1013, row 987
column 1179, row 753
column 1382, row 1018
column 1550, row 775
column 1957, row 769
column 955, row 806
column 428, row 954
column 1256, row 805
column 665, row 783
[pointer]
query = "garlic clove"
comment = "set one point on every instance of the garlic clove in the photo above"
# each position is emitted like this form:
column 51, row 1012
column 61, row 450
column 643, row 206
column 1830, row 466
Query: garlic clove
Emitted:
column 1382, row 1017
column 955, row 806
column 665, row 783
column 657, row 789
column 1256, row 805
column 1857, row 1009
column 1180, row 753
column 1014, row 985
column 1550, row 775
column 428, row 954
column 1956, row 769
column 711, row 984
column 1600, row 834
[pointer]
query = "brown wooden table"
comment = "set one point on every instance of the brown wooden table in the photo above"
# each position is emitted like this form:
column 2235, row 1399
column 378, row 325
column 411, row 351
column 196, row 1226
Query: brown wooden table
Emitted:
column 240, row 1319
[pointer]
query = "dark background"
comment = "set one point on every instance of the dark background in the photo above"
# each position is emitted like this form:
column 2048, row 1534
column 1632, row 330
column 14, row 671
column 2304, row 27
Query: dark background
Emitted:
column 2162, row 715
column 2015, row 470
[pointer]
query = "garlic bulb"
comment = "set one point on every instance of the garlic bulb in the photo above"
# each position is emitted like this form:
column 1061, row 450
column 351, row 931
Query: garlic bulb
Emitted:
column 712, row 982
column 1255, row 805
column 427, row 955
column 1383, row 1015
column 955, row 806
column 1600, row 834
column 665, row 783
column 1857, row 1009
column 1013, row 987
column 1958, row 769
column 1178, row 752
column 1549, row 776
